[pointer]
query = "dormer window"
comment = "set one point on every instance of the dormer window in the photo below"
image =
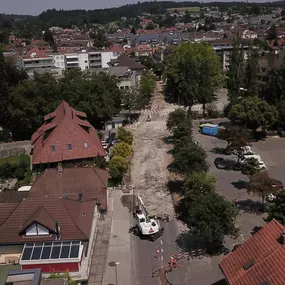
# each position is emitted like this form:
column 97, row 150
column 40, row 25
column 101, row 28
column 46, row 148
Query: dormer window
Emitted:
column 69, row 146
column 52, row 147
column 36, row 230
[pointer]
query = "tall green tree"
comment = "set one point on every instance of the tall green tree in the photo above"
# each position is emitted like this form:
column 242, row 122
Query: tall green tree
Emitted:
column 190, row 65
column 235, row 73
column 211, row 219
column 4, row 93
column 251, row 73
column 175, row 118
column 253, row 113
column 146, row 88
column 277, row 209
column 261, row 183
column 188, row 158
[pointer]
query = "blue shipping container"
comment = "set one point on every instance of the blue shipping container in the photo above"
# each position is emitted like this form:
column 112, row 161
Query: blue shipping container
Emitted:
column 210, row 130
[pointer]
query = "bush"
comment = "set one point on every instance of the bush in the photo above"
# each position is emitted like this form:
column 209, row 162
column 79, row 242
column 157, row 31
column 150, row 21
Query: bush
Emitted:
column 123, row 135
column 122, row 149
column 7, row 170
column 117, row 168
column 19, row 173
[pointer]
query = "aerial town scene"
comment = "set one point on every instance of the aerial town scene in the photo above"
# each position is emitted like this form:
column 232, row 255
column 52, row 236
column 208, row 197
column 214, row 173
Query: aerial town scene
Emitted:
column 142, row 143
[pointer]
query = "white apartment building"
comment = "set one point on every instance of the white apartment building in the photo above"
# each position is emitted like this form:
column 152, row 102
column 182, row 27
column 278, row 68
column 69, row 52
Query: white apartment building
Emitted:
column 84, row 60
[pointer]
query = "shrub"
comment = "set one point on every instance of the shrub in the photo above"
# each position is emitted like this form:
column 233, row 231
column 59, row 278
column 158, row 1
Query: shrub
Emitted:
column 124, row 135
column 122, row 149
column 19, row 173
column 117, row 168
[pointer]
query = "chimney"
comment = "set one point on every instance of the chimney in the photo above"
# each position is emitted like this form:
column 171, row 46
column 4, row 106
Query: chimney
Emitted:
column 80, row 196
column 59, row 168
column 283, row 238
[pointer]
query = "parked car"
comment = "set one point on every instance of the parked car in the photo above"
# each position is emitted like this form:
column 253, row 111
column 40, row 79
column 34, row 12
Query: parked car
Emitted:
column 220, row 163
column 246, row 150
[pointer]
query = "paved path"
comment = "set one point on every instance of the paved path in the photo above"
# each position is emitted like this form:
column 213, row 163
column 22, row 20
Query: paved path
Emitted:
column 98, row 262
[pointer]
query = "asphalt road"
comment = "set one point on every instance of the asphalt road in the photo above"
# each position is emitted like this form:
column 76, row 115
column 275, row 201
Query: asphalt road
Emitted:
column 150, row 256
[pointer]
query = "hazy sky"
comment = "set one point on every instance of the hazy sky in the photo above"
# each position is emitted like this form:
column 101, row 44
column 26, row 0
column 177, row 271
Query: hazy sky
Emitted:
column 34, row 7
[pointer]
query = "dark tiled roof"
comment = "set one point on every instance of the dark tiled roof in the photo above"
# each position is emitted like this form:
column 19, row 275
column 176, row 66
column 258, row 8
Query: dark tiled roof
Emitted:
column 266, row 255
column 13, row 196
column 125, row 60
column 91, row 182
column 62, row 127
column 73, row 217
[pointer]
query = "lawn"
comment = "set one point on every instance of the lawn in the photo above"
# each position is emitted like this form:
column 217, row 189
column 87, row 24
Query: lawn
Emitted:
column 15, row 159
column 183, row 9
column 4, row 269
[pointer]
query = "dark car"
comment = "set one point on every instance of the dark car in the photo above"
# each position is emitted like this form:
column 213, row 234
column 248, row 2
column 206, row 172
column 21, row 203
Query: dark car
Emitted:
column 220, row 163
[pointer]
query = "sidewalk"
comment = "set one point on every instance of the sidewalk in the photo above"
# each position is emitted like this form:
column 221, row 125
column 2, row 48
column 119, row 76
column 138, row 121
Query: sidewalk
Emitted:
column 119, row 251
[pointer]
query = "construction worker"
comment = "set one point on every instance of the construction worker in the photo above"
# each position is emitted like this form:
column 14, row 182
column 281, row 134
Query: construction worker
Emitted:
column 172, row 261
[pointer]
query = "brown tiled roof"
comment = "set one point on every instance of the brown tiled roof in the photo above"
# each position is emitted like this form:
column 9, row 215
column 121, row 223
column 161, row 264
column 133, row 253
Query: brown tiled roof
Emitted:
column 65, row 126
column 124, row 60
column 91, row 182
column 6, row 210
column 13, row 196
column 265, row 251
column 73, row 217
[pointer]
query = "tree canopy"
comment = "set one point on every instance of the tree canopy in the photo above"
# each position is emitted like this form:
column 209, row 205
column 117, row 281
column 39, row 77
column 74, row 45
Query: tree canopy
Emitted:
column 253, row 113
column 190, row 69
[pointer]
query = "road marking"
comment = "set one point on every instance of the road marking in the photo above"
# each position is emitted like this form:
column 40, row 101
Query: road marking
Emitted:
column 161, row 241
column 162, row 258
column 162, row 250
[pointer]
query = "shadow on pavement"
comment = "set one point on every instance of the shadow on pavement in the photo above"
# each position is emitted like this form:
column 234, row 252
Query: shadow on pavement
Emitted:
column 220, row 282
column 250, row 206
column 240, row 184
column 220, row 150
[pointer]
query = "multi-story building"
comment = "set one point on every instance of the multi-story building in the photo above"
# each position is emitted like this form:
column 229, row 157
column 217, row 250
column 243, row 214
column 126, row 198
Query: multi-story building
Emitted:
column 223, row 49
column 36, row 59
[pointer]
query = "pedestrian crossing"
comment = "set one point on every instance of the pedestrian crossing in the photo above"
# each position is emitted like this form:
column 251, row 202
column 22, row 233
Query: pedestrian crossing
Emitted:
column 150, row 111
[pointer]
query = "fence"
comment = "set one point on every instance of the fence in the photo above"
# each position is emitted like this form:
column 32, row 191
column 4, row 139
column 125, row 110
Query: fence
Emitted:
column 12, row 151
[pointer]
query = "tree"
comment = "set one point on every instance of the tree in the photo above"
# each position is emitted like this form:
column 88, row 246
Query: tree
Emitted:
column 123, row 135
column 122, row 149
column 175, row 118
column 188, row 158
column 211, row 219
column 272, row 33
column 181, row 134
column 130, row 100
column 236, row 71
column 261, row 184
column 4, row 93
column 197, row 184
column 277, row 209
column 251, row 74
column 48, row 37
column 117, row 168
column 250, row 167
column 147, row 86
column 253, row 113
column 99, row 39
column 186, row 69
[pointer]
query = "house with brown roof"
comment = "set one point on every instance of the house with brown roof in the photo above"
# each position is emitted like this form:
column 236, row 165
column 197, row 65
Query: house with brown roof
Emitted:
column 53, row 234
column 65, row 136
column 86, row 184
column 260, row 260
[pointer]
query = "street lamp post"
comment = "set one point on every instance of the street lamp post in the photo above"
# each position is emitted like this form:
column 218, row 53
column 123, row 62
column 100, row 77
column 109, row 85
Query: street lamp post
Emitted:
column 116, row 273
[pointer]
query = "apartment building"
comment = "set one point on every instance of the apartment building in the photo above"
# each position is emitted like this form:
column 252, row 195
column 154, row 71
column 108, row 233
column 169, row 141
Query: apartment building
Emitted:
column 84, row 60
column 223, row 49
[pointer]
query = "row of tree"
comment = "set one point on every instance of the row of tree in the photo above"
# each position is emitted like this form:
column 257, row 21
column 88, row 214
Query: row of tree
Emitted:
column 208, row 215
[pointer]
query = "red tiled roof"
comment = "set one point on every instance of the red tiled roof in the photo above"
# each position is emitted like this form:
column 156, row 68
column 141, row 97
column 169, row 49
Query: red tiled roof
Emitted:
column 62, row 127
column 73, row 217
column 91, row 182
column 35, row 53
column 115, row 48
column 268, row 254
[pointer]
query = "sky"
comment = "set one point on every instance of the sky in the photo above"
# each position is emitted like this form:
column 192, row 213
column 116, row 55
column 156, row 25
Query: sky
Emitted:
column 35, row 7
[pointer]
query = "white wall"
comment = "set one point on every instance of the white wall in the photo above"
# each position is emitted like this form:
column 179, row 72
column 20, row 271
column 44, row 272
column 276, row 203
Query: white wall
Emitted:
column 59, row 61
column 107, row 56
column 83, row 61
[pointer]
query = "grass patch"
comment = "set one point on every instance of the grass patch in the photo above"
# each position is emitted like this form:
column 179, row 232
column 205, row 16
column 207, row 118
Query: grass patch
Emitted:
column 16, row 160
column 184, row 9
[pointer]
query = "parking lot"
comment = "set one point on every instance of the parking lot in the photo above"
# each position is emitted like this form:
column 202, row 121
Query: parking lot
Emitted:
column 232, row 184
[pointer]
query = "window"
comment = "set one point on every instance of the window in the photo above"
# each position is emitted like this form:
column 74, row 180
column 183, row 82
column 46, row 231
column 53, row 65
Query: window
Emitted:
column 52, row 147
column 69, row 146
column 85, row 145
column 36, row 230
